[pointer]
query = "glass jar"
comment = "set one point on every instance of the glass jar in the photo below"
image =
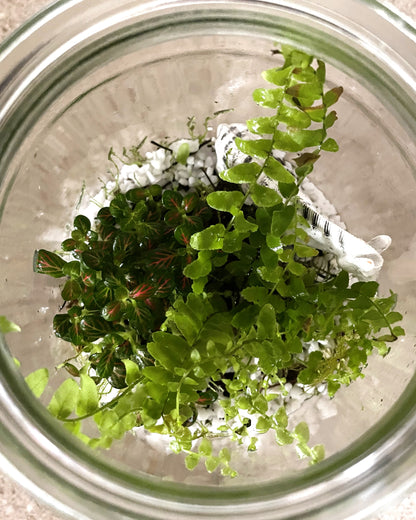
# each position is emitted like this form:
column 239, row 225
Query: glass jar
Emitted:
column 86, row 75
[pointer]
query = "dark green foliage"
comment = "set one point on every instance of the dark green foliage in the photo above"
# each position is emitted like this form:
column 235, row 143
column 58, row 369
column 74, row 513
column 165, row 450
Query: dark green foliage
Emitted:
column 180, row 300
column 127, row 272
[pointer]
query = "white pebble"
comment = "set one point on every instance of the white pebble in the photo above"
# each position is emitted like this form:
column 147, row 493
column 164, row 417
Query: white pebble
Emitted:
column 199, row 163
column 129, row 170
column 209, row 161
column 296, row 393
column 151, row 177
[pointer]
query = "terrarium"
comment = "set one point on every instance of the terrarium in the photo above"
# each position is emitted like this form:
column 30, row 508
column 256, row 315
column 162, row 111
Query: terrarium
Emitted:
column 245, row 169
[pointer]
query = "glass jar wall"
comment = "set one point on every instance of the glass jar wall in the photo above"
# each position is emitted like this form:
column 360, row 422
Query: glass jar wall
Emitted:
column 84, row 76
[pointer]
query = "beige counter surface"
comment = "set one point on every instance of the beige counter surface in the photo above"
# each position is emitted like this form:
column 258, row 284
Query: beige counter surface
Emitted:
column 15, row 503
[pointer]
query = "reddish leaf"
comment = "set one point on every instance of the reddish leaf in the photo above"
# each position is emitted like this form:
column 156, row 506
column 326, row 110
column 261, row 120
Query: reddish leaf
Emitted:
column 113, row 311
column 163, row 259
column 183, row 234
column 190, row 202
column 173, row 218
column 94, row 327
column 142, row 291
column 172, row 199
column 163, row 286
column 46, row 262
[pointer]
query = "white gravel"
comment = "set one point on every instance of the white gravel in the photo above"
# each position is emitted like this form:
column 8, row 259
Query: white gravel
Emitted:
column 161, row 167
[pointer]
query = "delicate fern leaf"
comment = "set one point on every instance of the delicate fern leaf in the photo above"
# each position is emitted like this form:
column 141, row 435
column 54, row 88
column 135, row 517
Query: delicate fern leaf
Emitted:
column 269, row 98
column 64, row 400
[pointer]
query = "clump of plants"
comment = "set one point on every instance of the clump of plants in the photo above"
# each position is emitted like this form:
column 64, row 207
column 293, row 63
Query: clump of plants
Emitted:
column 179, row 300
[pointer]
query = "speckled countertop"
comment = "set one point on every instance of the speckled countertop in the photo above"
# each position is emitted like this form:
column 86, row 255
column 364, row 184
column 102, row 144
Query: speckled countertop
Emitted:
column 15, row 503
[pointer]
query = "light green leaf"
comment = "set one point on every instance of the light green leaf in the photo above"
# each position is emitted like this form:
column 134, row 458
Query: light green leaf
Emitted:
column 309, row 91
column 132, row 371
column 330, row 145
column 296, row 268
column 242, row 225
column 316, row 113
column 205, row 448
column 230, row 201
column 7, row 326
column 266, row 322
column 224, row 455
column 211, row 464
column 245, row 318
column 168, row 350
column 399, row 331
column 113, row 426
column 281, row 417
column 282, row 219
column 318, row 453
column 260, row 404
column 301, row 432
column 276, row 171
column 296, row 57
column 268, row 274
column 233, row 241
column 88, row 400
column 283, row 437
column 263, row 424
column 306, row 138
column 294, row 117
column 209, row 238
column 182, row 153
column 264, row 197
column 64, row 400
column 157, row 374
column 304, row 251
column 277, row 76
column 382, row 348
column 332, row 96
column 255, row 294
column 256, row 148
column 37, row 381
column 330, row 119
column 270, row 98
column 198, row 284
column 75, row 428
column 187, row 323
column 321, row 72
column 284, row 141
column 241, row 173
column 191, row 460
column 199, row 268
column 262, row 125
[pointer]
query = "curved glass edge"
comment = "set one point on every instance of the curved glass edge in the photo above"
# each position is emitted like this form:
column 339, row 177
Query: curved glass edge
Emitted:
column 385, row 9
column 33, row 441
column 367, row 69
column 37, row 492
column 396, row 17
column 34, row 23
column 331, row 467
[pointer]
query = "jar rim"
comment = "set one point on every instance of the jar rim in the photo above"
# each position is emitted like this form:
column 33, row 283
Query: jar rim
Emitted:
column 391, row 440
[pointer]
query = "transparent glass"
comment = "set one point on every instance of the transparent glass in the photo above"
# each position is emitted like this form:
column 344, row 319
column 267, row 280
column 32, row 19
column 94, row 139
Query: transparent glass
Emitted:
column 87, row 75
